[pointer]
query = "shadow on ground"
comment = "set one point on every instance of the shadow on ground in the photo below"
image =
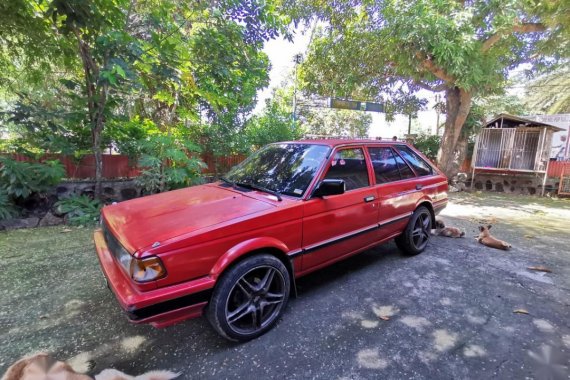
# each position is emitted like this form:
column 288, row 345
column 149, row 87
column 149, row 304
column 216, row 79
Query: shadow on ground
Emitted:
column 447, row 313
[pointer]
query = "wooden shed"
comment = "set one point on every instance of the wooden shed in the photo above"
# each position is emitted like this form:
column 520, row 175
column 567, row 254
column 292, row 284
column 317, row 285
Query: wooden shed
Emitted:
column 512, row 144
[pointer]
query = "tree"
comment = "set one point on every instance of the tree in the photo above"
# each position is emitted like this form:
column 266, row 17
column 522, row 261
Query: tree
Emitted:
column 275, row 123
column 333, row 122
column 168, row 61
column 548, row 94
column 464, row 48
column 272, row 125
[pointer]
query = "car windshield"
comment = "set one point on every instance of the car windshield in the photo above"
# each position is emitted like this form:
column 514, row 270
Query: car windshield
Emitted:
column 282, row 168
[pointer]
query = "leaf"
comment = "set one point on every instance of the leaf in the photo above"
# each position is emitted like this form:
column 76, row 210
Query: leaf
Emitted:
column 120, row 71
column 540, row 268
column 520, row 311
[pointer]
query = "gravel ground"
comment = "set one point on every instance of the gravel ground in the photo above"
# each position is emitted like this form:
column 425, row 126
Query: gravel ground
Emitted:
column 447, row 313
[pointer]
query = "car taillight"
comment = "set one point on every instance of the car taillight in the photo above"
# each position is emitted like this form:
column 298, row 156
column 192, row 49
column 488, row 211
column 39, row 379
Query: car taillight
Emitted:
column 147, row 269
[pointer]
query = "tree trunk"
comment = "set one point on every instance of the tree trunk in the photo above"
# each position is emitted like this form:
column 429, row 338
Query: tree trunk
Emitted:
column 97, row 129
column 458, row 102
column 96, row 101
column 96, row 135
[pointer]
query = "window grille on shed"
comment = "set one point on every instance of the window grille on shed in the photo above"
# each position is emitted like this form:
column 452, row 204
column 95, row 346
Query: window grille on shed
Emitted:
column 510, row 144
column 522, row 149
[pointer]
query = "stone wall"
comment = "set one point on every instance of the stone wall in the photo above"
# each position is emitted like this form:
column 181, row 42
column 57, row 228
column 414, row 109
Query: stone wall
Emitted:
column 113, row 190
column 41, row 210
column 527, row 184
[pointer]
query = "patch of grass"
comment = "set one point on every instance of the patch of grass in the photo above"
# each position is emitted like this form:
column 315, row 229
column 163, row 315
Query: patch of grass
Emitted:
column 39, row 243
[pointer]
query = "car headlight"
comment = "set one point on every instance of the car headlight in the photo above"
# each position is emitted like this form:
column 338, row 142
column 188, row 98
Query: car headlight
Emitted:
column 141, row 270
column 147, row 269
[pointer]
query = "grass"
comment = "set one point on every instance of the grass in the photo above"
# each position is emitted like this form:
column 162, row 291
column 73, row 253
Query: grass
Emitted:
column 47, row 274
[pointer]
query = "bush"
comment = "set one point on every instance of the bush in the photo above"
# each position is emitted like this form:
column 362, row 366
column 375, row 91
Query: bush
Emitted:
column 22, row 179
column 7, row 208
column 428, row 145
column 167, row 163
column 81, row 210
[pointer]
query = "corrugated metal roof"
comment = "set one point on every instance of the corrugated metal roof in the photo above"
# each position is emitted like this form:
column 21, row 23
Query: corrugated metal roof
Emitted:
column 524, row 122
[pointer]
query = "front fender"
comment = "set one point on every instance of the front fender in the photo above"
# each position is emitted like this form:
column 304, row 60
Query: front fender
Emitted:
column 244, row 248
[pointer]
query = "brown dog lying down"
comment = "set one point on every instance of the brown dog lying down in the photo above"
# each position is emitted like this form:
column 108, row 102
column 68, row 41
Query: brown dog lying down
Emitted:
column 442, row 230
column 43, row 367
column 489, row 240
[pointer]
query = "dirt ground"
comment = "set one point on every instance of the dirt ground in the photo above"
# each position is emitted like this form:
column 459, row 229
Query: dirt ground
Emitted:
column 447, row 313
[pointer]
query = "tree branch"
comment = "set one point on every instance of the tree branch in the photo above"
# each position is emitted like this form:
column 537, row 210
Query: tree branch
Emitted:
column 429, row 65
column 529, row 27
column 425, row 86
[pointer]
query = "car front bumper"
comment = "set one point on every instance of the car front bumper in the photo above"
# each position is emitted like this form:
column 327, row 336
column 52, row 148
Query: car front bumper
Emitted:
column 159, row 307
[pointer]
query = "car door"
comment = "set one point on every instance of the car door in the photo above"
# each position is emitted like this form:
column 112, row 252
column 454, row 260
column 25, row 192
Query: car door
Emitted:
column 334, row 226
column 428, row 183
column 395, row 186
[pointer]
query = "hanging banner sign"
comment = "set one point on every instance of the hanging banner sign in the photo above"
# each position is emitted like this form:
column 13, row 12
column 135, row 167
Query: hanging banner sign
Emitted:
column 355, row 105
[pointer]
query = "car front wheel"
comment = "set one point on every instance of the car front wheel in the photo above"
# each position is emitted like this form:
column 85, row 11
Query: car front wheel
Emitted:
column 249, row 298
column 416, row 236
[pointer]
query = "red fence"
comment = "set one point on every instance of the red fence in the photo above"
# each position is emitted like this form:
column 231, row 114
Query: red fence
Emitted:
column 119, row 166
column 557, row 168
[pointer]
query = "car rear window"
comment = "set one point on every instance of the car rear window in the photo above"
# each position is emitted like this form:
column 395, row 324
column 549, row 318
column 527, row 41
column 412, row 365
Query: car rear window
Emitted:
column 421, row 167
column 385, row 165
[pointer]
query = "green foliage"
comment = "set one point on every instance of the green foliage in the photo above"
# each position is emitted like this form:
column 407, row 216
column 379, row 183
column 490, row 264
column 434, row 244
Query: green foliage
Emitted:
column 394, row 48
column 548, row 94
column 81, row 210
column 428, row 145
column 80, row 75
column 331, row 122
column 485, row 108
column 274, row 124
column 22, row 179
column 168, row 163
column 425, row 43
column 47, row 122
column 7, row 208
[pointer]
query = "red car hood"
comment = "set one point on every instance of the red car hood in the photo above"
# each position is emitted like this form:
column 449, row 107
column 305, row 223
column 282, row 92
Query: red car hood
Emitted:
column 140, row 222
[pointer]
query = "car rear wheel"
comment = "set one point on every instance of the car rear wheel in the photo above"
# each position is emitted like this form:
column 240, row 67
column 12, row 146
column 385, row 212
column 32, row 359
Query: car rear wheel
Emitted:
column 249, row 298
column 416, row 236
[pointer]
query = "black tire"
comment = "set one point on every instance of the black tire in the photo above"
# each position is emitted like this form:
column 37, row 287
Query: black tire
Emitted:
column 249, row 298
column 416, row 236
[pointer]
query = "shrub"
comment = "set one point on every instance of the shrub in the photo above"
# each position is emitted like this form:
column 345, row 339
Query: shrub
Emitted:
column 428, row 145
column 22, row 179
column 168, row 163
column 7, row 209
column 80, row 210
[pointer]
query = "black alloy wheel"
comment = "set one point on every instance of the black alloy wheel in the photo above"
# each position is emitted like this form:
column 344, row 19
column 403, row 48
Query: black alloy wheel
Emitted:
column 417, row 234
column 249, row 298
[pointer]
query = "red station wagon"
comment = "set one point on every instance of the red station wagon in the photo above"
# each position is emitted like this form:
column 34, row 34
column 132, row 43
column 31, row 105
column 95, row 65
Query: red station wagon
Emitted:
column 233, row 249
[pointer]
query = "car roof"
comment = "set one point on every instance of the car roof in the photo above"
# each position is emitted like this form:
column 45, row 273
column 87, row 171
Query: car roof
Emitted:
column 338, row 142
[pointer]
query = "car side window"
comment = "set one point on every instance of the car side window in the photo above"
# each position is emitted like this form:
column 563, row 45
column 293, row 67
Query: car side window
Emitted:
column 350, row 166
column 385, row 165
column 405, row 171
column 420, row 166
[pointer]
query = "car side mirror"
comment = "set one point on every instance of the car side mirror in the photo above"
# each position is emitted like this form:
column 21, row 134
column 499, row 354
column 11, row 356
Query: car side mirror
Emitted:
column 329, row 187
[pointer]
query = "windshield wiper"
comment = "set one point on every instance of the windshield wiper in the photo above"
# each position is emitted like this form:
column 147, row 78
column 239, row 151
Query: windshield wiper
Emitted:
column 277, row 194
column 224, row 179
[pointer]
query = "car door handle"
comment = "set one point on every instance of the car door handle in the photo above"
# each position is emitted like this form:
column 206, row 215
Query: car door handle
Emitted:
column 419, row 187
column 369, row 198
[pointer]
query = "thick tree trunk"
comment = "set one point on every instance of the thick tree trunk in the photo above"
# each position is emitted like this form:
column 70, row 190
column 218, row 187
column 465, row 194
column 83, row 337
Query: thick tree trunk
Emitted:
column 451, row 154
